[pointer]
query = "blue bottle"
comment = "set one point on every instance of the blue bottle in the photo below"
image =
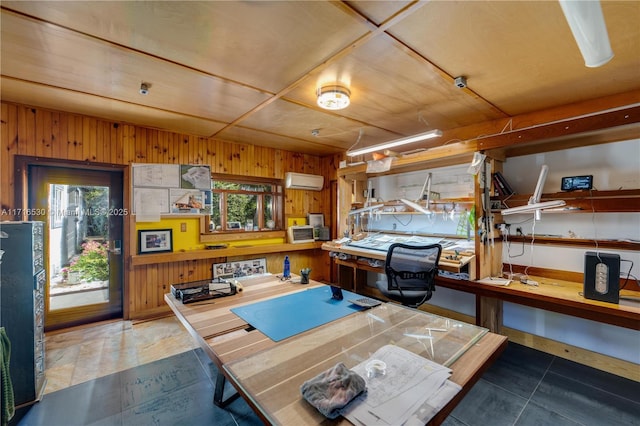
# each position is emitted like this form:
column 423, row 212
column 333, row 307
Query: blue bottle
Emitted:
column 286, row 271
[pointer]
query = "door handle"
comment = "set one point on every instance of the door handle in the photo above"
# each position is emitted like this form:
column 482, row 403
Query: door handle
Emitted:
column 115, row 247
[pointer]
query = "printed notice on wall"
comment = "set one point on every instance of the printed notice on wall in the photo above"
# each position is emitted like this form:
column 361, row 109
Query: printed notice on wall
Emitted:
column 156, row 175
column 160, row 189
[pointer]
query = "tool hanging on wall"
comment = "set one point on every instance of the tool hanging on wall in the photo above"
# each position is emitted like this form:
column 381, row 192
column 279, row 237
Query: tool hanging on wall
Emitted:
column 487, row 203
column 485, row 231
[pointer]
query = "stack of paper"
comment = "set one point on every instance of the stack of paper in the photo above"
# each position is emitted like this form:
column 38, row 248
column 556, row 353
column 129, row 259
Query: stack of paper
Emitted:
column 411, row 391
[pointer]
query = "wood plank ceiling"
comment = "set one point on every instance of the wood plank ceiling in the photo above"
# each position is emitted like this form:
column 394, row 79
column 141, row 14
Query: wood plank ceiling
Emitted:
column 247, row 71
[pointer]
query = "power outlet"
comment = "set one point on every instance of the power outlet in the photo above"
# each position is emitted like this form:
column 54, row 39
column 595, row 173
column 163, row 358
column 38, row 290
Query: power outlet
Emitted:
column 183, row 227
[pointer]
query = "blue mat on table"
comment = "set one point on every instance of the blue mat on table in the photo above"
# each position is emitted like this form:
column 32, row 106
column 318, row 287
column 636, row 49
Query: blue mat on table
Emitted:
column 295, row 313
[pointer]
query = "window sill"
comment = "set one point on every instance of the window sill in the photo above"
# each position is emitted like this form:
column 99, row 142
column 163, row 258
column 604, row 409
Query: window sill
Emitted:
column 222, row 236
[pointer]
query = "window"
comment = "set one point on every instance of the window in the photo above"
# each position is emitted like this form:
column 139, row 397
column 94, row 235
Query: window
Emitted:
column 240, row 205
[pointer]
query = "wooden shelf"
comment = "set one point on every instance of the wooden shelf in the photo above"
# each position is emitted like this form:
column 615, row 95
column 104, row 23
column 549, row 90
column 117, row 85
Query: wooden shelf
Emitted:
column 577, row 242
column 440, row 156
column 554, row 295
column 224, row 237
column 147, row 259
column 618, row 201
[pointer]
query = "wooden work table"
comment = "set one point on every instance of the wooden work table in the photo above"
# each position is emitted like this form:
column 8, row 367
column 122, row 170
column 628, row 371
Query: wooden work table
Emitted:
column 556, row 295
column 552, row 294
column 268, row 374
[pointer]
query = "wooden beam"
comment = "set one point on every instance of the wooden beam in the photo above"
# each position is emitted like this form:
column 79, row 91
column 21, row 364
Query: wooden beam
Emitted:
column 627, row 118
column 601, row 131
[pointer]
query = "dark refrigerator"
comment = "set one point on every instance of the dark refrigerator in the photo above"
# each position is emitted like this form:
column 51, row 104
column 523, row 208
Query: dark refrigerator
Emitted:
column 22, row 281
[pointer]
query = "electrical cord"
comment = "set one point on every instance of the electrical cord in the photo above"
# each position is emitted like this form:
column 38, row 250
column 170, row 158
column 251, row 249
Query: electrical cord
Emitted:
column 508, row 242
column 400, row 222
column 628, row 273
column 533, row 238
column 593, row 222
column 509, row 248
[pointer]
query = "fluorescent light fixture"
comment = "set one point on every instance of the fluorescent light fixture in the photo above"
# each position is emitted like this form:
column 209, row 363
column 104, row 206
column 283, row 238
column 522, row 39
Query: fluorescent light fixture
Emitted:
column 589, row 29
column 534, row 204
column 529, row 208
column 397, row 142
column 366, row 209
column 427, row 186
column 414, row 204
column 416, row 207
column 333, row 97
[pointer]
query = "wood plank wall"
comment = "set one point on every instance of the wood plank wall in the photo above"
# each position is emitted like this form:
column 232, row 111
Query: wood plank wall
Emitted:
column 36, row 132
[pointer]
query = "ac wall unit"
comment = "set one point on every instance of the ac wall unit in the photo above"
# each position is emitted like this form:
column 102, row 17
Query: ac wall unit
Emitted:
column 303, row 181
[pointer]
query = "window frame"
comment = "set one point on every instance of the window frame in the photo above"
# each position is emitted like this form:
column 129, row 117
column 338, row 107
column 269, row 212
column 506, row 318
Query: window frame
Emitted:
column 277, row 204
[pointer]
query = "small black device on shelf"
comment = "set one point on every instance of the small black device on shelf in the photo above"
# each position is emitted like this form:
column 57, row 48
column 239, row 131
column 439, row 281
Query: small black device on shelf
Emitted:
column 573, row 183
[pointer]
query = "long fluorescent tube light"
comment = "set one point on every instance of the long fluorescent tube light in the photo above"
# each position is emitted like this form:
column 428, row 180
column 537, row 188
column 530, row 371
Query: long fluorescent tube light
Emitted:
column 529, row 208
column 416, row 207
column 534, row 204
column 365, row 209
column 587, row 24
column 427, row 186
column 397, row 142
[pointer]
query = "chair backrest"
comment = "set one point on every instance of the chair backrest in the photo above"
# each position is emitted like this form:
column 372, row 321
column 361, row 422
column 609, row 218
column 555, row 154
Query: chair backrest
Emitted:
column 411, row 272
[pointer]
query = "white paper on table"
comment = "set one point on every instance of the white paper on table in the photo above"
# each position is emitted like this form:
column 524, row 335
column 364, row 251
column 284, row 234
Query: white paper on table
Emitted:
column 410, row 389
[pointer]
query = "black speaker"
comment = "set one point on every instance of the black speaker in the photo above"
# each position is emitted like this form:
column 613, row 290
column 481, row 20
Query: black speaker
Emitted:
column 602, row 276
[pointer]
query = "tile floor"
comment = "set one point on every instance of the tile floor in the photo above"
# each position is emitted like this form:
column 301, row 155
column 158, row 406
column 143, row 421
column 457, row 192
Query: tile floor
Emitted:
column 80, row 354
column 157, row 377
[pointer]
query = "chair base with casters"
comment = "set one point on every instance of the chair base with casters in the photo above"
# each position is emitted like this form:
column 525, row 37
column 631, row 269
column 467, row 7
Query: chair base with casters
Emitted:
column 411, row 272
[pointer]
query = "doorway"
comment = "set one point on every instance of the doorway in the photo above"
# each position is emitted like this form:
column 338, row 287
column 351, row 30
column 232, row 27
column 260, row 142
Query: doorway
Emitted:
column 83, row 233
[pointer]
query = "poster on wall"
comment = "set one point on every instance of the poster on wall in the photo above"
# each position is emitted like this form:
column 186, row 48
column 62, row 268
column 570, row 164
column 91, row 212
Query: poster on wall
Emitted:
column 187, row 201
column 170, row 189
column 240, row 268
column 195, row 177
column 150, row 201
column 156, row 175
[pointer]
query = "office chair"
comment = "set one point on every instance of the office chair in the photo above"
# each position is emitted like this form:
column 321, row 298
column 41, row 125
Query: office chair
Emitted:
column 411, row 272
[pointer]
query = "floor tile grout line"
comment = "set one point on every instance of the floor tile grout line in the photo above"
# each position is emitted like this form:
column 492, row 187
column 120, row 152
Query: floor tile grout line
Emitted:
column 535, row 389
column 549, row 371
column 575, row 379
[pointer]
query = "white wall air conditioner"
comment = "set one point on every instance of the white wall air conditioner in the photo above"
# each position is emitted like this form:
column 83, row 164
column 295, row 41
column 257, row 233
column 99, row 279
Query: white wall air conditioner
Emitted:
column 303, row 181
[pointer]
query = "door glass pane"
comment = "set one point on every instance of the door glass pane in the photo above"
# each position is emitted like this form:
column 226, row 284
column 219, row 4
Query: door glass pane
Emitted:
column 78, row 239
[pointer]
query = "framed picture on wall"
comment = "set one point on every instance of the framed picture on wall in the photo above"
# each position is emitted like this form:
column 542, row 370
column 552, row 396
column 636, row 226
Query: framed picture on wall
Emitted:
column 155, row 241
column 316, row 220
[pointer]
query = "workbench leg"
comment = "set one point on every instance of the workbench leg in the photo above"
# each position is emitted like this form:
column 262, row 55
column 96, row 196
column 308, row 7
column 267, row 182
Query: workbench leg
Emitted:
column 489, row 313
column 218, row 395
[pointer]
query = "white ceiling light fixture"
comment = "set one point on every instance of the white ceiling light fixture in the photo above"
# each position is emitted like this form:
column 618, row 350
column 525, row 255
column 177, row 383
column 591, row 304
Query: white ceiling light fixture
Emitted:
column 397, row 142
column 333, row 97
column 589, row 29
